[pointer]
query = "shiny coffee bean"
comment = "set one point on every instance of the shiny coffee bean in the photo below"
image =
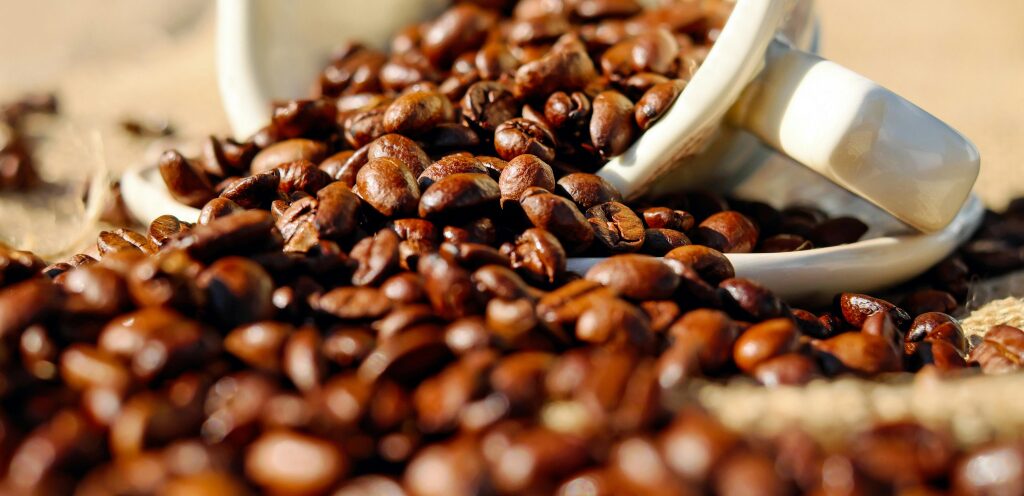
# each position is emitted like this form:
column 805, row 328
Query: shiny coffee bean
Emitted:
column 587, row 190
column 617, row 227
column 856, row 308
column 238, row 291
column 791, row 369
column 519, row 136
column 662, row 241
column 838, row 231
column 728, row 232
column 458, row 195
column 184, row 181
column 612, row 126
column 558, row 216
column 447, row 166
column 287, row 151
column 283, row 461
column 488, row 104
column 539, row 255
column 656, row 101
column 1001, row 351
column 401, row 148
column 521, row 173
column 388, row 187
column 764, row 341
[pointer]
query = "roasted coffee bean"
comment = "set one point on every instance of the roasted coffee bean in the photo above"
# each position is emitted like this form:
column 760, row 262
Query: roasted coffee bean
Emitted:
column 612, row 126
column 547, row 456
column 335, row 215
column 881, row 324
column 656, row 101
column 784, row 243
column 156, row 342
column 694, row 444
column 748, row 469
column 453, row 467
column 941, row 355
column 254, row 191
column 752, row 299
column 400, row 148
column 587, row 190
column 539, row 255
column 929, row 300
column 124, row 239
column 459, row 29
column 217, row 208
column 838, row 231
column 86, row 367
column 494, row 165
column 654, row 50
column 728, row 232
column 343, row 166
column 302, row 361
column 613, row 322
column 295, row 222
column 764, row 341
column 809, row 324
column 301, row 175
column 565, row 67
column 388, row 187
column 791, row 369
column 710, row 335
column 409, row 355
column 662, row 241
column 353, row 303
column 168, row 279
column 377, row 257
column 287, row 151
column 637, row 277
column 1001, row 351
column 363, row 127
column 568, row 112
column 487, row 104
column 447, row 166
column 401, row 318
column 95, row 290
column 523, row 172
column 184, row 181
column 294, row 472
column 856, row 308
column 348, row 346
column 259, row 344
column 563, row 306
column 510, row 320
column 416, row 112
column 449, row 287
column 298, row 118
column 165, row 227
column 476, row 231
column 666, row 218
column 459, row 194
column 617, row 227
column 559, row 216
column 238, row 291
column 925, row 323
column 902, row 453
column 519, row 136
column 860, row 353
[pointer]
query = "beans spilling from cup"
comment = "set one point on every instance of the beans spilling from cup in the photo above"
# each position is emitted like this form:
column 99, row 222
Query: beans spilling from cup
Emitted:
column 375, row 297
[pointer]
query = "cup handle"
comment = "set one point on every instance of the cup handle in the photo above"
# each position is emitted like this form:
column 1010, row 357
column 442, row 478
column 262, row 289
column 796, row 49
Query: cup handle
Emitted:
column 860, row 135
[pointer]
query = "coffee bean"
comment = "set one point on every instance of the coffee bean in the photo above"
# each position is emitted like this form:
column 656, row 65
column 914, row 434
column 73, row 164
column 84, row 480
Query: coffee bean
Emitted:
column 95, row 290
column 487, row 104
column 523, row 172
column 838, row 231
column 694, row 444
column 861, row 353
column 156, row 342
column 559, row 216
column 881, row 324
column 539, row 255
column 259, row 344
column 353, row 303
column 764, row 341
column 400, row 148
column 790, row 369
column 343, row 166
column 417, row 112
column 297, row 118
column 377, row 257
column 728, row 232
column 746, row 469
column 925, row 323
column 122, row 239
column 666, row 218
column 637, row 277
column 447, row 166
column 217, row 208
column 238, row 291
column 363, row 127
column 1001, row 351
column 519, row 136
column 547, row 456
column 302, row 361
column 254, row 191
column 784, row 243
column 902, row 453
column 710, row 334
column 753, row 300
column 85, row 367
column 459, row 29
column 612, row 127
column 617, row 227
column 616, row 323
column 459, row 194
column 856, row 308
column 165, row 227
column 186, row 183
column 301, row 175
column 294, row 472
column 941, row 355
column 417, row 351
column 929, row 300
column 656, row 101
column 662, row 241
column 288, row 151
column 991, row 469
column 452, row 467
column 449, row 287
column 388, row 187
column 566, row 67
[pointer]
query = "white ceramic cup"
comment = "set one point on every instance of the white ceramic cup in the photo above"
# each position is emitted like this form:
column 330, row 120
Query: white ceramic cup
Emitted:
column 858, row 134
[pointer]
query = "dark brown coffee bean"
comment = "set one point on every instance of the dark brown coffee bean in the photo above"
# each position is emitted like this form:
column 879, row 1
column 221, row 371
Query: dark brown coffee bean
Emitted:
column 662, row 241
column 565, row 67
column 694, row 444
column 409, row 355
column 447, row 166
column 559, row 216
column 416, row 112
column 415, row 229
column 654, row 50
column 259, row 344
column 388, row 187
column 217, row 208
column 784, row 243
column 295, row 222
column 519, row 136
column 165, row 227
column 487, row 104
column 294, row 473
column 343, row 166
column 616, row 323
column 377, row 257
column 838, row 231
column 454, row 467
column 86, row 367
column 302, row 361
column 95, row 290
column 994, row 468
column 466, row 335
column 612, row 126
column 587, row 190
column 929, row 300
column 402, row 318
column 539, row 255
column 790, row 369
column 363, row 127
column 1001, row 351
column 348, row 346
column 440, row 400
column 752, row 299
column 494, row 165
column 303, row 118
column 809, row 324
column 637, row 277
column 728, row 232
column 156, row 342
column 124, row 239
column 548, row 456
column 254, row 191
column 617, row 227
column 881, row 324
column 764, row 341
column 497, row 281
column 902, row 453
column 941, row 355
column 925, row 323
column 861, row 353
column 238, row 291
column 710, row 333
column 459, row 194
column 288, row 151
column 656, row 101
column 184, row 181
column 567, row 112
column 400, row 148
column 449, row 287
column 857, row 307
column 403, row 288
column 353, row 303
column 666, row 218
column 523, row 172
column 335, row 215
column 474, row 255
column 459, row 29
column 301, row 175
column 352, row 72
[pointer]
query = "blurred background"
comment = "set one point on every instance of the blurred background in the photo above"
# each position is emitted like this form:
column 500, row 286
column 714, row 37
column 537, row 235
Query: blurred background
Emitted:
column 111, row 59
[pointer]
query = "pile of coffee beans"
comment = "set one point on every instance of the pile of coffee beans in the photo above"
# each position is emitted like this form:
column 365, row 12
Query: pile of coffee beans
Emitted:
column 375, row 297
